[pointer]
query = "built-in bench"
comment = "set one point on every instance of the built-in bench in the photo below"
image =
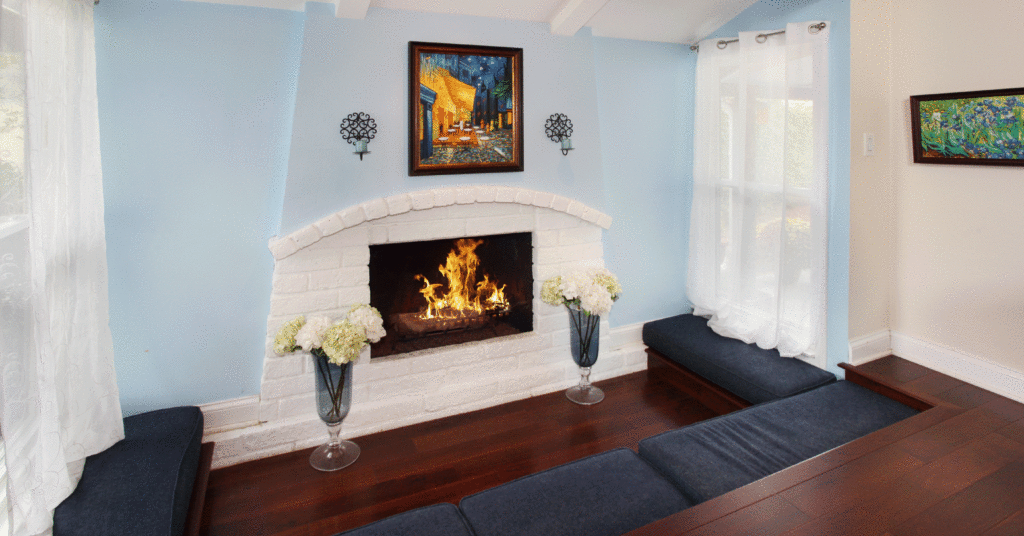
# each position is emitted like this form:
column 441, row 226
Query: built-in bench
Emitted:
column 152, row 482
column 722, row 373
column 606, row 494
column 713, row 457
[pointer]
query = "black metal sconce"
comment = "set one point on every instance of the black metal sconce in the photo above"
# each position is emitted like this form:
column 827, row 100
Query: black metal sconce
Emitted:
column 358, row 129
column 559, row 128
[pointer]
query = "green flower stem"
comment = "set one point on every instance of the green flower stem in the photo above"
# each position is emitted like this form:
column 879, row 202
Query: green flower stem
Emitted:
column 333, row 390
column 578, row 326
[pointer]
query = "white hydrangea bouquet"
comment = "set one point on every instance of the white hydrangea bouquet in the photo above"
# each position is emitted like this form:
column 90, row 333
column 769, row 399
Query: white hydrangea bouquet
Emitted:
column 341, row 341
column 587, row 295
column 591, row 291
column 334, row 342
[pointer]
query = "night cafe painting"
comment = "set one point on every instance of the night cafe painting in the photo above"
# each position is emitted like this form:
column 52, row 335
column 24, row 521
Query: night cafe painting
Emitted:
column 465, row 105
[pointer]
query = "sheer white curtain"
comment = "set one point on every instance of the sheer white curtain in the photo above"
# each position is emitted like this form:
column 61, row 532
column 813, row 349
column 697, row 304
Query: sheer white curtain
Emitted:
column 758, row 230
column 57, row 385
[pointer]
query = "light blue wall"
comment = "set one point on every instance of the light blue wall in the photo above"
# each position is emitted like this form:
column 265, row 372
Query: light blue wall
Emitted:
column 773, row 15
column 645, row 106
column 219, row 129
column 606, row 86
column 195, row 104
column 362, row 65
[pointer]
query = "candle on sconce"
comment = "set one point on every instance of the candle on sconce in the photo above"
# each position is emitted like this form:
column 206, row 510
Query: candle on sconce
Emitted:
column 361, row 146
column 566, row 143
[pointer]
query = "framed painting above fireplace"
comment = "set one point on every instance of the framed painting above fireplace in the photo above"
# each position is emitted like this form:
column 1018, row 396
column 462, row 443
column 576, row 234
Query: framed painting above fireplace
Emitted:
column 465, row 109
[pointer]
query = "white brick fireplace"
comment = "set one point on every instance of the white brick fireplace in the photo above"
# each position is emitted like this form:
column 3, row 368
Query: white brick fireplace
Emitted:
column 323, row 269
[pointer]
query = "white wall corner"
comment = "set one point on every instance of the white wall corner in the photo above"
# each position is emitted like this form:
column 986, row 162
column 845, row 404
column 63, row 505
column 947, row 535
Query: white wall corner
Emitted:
column 574, row 15
column 971, row 369
column 870, row 347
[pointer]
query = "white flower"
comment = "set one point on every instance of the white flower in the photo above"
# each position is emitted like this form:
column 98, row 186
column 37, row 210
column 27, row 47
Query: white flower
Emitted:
column 284, row 342
column 312, row 334
column 343, row 342
column 591, row 290
column 369, row 319
column 596, row 300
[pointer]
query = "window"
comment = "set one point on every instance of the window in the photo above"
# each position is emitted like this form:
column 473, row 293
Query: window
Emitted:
column 758, row 239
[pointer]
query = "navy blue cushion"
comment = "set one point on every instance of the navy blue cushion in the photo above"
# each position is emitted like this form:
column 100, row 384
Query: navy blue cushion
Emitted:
column 751, row 373
column 140, row 485
column 435, row 520
column 606, row 494
column 716, row 456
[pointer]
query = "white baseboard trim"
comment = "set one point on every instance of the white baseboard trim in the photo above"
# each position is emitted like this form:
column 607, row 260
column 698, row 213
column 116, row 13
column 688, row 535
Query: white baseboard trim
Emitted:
column 234, row 424
column 230, row 414
column 971, row 369
column 870, row 347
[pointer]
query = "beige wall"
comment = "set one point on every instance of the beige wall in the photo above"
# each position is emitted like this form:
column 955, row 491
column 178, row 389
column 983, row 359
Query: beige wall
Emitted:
column 955, row 233
column 872, row 190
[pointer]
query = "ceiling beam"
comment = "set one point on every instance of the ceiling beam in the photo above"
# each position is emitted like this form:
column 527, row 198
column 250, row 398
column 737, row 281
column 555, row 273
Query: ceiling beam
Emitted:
column 574, row 15
column 351, row 9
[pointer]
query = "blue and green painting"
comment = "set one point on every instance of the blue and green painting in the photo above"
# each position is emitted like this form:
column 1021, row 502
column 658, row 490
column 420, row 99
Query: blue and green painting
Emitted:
column 978, row 128
column 466, row 105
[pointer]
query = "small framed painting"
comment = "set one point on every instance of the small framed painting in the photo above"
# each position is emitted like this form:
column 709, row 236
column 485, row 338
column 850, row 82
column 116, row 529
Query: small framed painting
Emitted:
column 465, row 109
column 973, row 128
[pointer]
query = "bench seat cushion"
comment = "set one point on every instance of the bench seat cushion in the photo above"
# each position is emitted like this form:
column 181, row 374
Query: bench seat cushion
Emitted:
column 141, row 484
column 747, row 371
column 606, row 494
column 716, row 456
column 442, row 519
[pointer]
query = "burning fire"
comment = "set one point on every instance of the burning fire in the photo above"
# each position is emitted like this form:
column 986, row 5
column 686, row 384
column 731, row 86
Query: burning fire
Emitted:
column 465, row 297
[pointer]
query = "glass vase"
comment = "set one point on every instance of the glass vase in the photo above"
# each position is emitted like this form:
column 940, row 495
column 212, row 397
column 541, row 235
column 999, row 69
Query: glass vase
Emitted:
column 584, row 335
column 333, row 400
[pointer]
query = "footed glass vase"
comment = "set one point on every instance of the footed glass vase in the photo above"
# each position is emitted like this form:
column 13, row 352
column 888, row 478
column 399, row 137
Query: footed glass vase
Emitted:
column 584, row 333
column 333, row 400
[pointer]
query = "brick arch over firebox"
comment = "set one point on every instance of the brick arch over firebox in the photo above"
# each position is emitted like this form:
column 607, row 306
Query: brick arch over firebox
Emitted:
column 427, row 199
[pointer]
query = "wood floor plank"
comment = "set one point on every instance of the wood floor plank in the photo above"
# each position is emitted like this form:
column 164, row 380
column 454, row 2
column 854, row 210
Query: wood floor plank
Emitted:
column 1004, row 407
column 896, row 369
column 440, row 461
column 853, row 483
column 773, row 515
column 939, row 440
column 912, row 493
column 974, row 510
column 967, row 396
column 932, row 384
column 1012, row 526
column 1014, row 431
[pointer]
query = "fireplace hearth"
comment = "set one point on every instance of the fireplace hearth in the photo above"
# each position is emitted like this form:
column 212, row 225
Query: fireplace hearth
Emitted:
column 443, row 292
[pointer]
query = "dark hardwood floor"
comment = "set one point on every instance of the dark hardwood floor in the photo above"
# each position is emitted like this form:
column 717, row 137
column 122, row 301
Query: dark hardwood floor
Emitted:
column 439, row 461
column 956, row 469
column 953, row 470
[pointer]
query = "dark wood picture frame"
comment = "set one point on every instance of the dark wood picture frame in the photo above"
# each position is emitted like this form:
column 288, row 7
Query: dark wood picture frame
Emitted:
column 982, row 128
column 474, row 116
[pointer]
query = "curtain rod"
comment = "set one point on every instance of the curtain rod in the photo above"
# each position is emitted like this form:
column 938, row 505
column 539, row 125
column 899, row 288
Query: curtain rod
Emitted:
column 761, row 38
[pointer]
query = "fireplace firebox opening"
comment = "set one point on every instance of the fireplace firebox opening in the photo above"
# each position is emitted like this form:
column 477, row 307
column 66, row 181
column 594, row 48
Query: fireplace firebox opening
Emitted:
column 442, row 292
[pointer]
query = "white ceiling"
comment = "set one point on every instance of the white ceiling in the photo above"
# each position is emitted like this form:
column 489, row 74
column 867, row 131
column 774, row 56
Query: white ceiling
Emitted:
column 670, row 21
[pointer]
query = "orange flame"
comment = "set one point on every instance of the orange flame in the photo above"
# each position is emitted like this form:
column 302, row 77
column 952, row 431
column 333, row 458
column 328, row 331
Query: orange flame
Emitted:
column 465, row 296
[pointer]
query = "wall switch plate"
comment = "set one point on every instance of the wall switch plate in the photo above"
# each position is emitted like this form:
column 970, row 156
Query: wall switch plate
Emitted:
column 869, row 144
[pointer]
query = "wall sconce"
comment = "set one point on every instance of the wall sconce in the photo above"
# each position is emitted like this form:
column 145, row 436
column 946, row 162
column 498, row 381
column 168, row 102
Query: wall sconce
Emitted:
column 559, row 128
column 358, row 129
